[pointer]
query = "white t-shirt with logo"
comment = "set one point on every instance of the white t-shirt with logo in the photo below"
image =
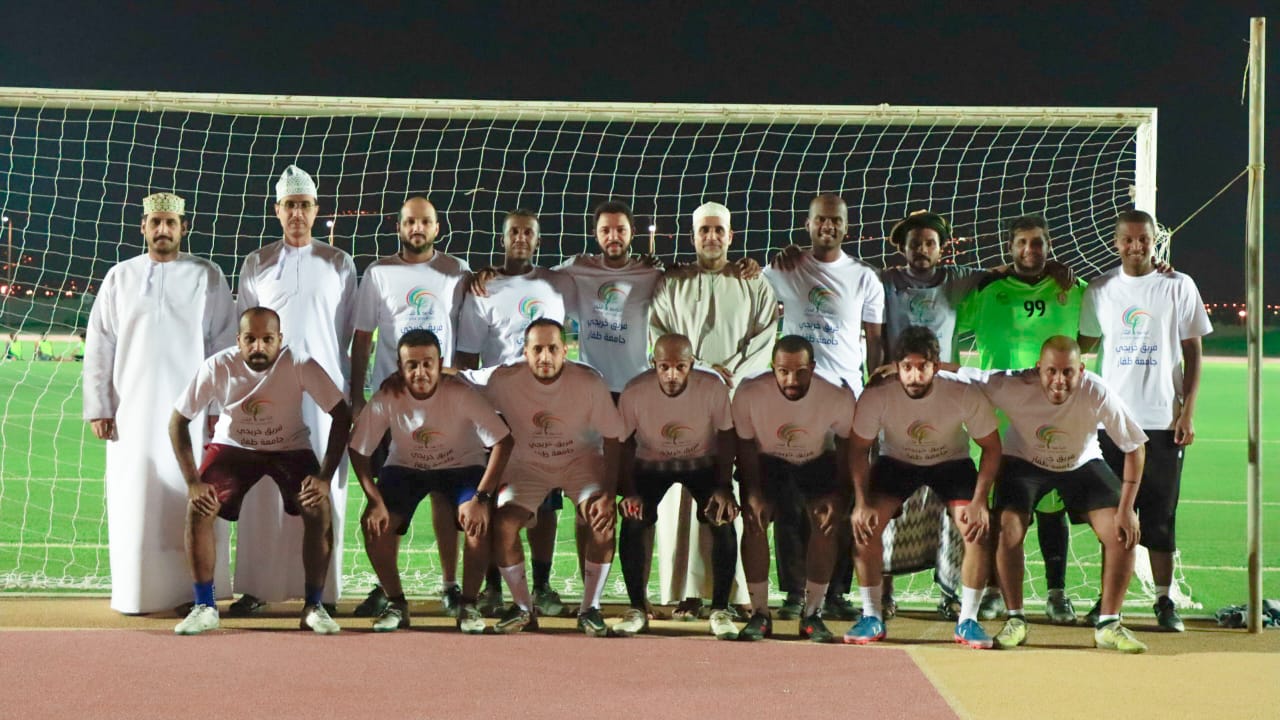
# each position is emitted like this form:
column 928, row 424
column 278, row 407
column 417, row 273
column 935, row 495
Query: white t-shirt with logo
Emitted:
column 1142, row 322
column 908, row 302
column 397, row 296
column 928, row 430
column 613, row 315
column 493, row 327
column 1057, row 437
column 451, row 429
column 683, row 427
column 260, row 410
column 558, row 425
column 793, row 430
column 826, row 304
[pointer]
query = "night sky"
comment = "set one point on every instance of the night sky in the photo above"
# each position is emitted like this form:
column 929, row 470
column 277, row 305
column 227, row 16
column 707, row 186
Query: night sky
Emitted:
column 1186, row 59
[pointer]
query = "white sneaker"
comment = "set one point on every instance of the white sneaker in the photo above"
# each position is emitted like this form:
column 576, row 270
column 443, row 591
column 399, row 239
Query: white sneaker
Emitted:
column 470, row 620
column 722, row 625
column 317, row 619
column 201, row 618
column 633, row 622
column 393, row 617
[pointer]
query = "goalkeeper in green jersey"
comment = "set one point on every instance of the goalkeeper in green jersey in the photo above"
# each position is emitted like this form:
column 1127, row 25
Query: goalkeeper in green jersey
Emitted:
column 1011, row 315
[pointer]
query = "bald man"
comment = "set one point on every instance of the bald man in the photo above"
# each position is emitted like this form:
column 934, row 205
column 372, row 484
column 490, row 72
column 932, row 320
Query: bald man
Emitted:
column 679, row 430
column 418, row 288
column 1051, row 444
column 259, row 386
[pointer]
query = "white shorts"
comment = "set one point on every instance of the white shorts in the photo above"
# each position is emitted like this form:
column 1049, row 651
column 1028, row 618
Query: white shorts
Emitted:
column 527, row 485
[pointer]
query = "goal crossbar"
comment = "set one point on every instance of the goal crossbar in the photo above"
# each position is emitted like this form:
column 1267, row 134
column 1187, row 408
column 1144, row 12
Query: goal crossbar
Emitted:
column 301, row 105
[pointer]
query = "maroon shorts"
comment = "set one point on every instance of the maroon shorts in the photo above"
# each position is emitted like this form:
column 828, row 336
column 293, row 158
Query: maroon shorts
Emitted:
column 232, row 471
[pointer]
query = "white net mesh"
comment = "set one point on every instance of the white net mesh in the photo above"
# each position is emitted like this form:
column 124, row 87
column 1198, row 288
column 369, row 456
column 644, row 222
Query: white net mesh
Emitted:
column 74, row 172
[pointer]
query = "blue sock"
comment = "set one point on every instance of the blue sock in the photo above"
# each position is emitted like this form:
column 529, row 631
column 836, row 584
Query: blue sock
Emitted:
column 204, row 593
column 314, row 595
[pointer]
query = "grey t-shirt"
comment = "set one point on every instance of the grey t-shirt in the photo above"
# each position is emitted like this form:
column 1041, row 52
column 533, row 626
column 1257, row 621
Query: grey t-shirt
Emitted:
column 933, row 304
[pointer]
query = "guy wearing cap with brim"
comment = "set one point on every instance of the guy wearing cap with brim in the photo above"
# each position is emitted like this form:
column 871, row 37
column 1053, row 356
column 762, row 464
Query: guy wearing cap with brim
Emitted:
column 312, row 286
column 155, row 319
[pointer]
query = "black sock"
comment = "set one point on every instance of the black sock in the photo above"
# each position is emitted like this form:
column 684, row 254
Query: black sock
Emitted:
column 493, row 579
column 397, row 599
column 631, row 555
column 724, row 562
column 541, row 574
column 1054, row 534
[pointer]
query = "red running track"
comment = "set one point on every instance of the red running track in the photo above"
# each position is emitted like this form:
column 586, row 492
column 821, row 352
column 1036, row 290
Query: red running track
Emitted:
column 239, row 675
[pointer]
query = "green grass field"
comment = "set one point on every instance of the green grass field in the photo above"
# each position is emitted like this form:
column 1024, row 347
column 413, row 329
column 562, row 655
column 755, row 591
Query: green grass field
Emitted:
column 53, row 532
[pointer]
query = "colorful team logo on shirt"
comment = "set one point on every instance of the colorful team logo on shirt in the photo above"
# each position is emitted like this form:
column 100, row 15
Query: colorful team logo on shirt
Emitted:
column 531, row 308
column 919, row 431
column 546, row 423
column 420, row 300
column 255, row 408
column 1135, row 320
column 1050, row 437
column 791, row 434
column 611, row 296
column 674, row 431
column 920, row 308
column 425, row 435
column 822, row 299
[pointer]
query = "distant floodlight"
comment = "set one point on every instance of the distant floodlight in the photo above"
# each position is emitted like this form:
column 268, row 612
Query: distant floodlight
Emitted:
column 1242, row 313
column 4, row 219
column 653, row 228
column 328, row 223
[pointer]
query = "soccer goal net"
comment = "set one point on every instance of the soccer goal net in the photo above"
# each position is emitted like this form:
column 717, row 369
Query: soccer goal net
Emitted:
column 74, row 166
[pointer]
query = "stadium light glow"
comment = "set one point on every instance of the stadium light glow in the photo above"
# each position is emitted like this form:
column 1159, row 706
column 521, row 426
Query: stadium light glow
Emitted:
column 328, row 223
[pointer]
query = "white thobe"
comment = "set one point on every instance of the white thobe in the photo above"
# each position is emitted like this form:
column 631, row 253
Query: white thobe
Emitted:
column 313, row 289
column 151, row 326
column 731, row 322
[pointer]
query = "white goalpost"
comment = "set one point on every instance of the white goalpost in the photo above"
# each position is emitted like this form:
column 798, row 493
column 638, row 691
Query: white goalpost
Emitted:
column 75, row 164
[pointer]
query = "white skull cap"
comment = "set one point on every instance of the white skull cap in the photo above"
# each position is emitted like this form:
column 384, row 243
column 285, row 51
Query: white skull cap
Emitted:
column 295, row 181
column 711, row 209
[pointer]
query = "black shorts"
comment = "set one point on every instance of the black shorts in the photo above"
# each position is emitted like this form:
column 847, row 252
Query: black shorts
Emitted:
column 1092, row 486
column 812, row 480
column 652, row 486
column 404, row 488
column 954, row 481
column 1157, row 502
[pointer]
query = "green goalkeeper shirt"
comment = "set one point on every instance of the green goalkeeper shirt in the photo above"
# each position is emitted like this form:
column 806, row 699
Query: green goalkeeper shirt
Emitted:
column 1011, row 319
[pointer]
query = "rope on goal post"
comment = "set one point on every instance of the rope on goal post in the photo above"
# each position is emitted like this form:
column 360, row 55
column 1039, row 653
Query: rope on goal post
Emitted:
column 78, row 162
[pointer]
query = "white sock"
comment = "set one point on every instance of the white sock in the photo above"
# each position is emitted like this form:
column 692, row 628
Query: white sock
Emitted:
column 518, row 583
column 814, row 595
column 871, row 600
column 1104, row 619
column 1162, row 591
column 448, row 584
column 759, row 594
column 970, row 599
column 593, row 576
column 1015, row 612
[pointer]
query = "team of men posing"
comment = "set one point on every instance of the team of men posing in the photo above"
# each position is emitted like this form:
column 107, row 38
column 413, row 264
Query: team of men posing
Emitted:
column 478, row 407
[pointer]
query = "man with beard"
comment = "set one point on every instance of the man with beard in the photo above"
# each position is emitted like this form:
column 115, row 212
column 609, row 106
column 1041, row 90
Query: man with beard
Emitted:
column 312, row 286
column 567, row 435
column 731, row 322
column 1011, row 315
column 1152, row 322
column 419, row 287
column 1052, row 444
column 680, row 431
column 792, row 428
column 156, row 317
column 491, row 333
column 259, row 386
column 441, row 431
column 924, row 422
column 832, row 300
